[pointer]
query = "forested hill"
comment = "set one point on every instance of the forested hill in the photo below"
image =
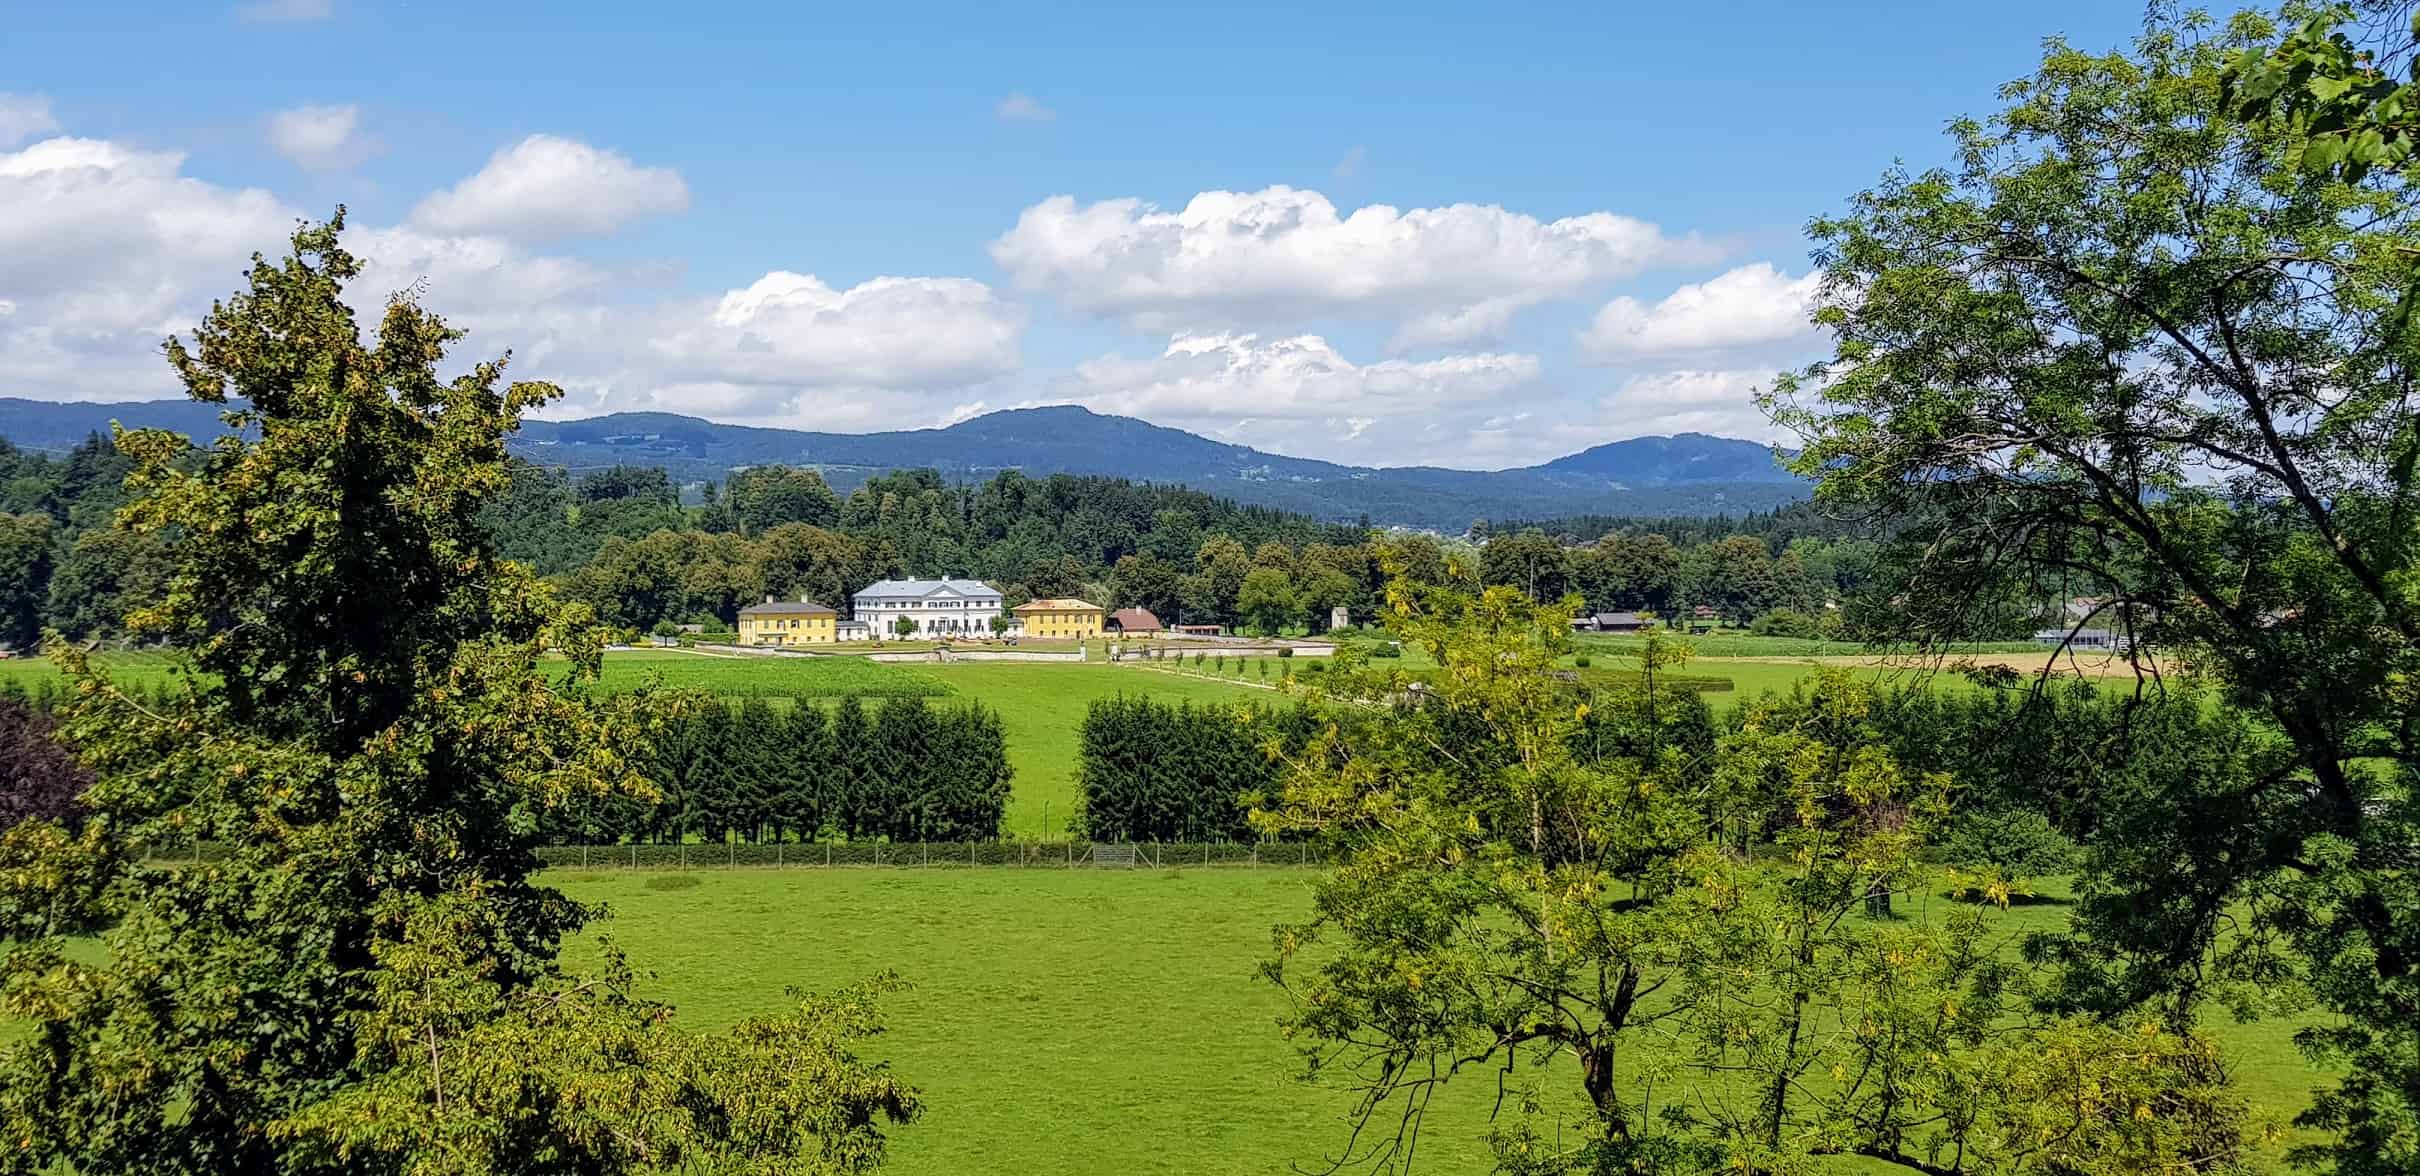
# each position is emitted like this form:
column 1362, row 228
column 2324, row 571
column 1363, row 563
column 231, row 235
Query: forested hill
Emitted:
column 1691, row 474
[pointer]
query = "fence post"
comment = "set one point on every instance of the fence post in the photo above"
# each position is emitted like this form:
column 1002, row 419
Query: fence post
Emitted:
column 970, row 853
column 634, row 853
column 583, row 855
column 780, row 848
column 730, row 853
column 1205, row 855
column 827, row 853
column 684, row 855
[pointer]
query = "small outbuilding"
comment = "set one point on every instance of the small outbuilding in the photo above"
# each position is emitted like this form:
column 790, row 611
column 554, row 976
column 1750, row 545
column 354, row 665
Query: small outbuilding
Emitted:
column 1135, row 622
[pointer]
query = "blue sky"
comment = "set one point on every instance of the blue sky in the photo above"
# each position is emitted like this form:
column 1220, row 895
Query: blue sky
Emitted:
column 1467, row 235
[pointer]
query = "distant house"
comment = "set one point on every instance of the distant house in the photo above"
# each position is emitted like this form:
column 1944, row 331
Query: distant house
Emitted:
column 2108, row 639
column 935, row 608
column 1059, row 617
column 853, row 631
column 1202, row 630
column 788, row 622
column 1608, row 622
column 1134, row 622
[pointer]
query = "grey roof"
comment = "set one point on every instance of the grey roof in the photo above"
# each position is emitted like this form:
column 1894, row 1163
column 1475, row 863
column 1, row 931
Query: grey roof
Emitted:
column 808, row 607
column 923, row 588
column 1620, row 618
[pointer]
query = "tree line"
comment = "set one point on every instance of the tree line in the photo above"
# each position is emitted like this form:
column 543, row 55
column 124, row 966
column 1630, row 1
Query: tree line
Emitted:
column 624, row 541
column 900, row 770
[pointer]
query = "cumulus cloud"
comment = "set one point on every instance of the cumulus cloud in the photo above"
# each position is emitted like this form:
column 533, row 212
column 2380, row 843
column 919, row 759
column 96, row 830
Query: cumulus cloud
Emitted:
column 284, row 11
column 545, row 186
column 789, row 329
column 110, row 248
column 23, row 116
column 1754, row 305
column 1721, row 402
column 319, row 137
column 1238, row 258
column 1023, row 108
column 1293, row 389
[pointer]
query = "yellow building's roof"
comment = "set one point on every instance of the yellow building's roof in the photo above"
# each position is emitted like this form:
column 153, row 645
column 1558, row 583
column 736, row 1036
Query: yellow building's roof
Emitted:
column 1056, row 604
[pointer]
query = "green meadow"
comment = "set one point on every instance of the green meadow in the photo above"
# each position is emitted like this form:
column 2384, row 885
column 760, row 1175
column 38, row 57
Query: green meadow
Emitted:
column 1094, row 1020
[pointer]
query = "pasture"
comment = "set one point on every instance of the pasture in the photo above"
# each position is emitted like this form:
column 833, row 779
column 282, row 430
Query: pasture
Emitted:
column 1118, row 1007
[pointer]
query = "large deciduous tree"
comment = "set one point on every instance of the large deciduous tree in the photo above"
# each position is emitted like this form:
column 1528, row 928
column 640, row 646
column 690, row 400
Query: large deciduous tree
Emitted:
column 2131, row 349
column 365, row 980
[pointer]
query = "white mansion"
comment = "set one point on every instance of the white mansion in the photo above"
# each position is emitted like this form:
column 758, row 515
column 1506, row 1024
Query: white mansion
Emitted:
column 939, row 608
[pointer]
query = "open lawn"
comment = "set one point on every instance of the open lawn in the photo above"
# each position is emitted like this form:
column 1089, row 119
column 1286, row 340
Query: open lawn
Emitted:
column 1042, row 708
column 758, row 675
column 1087, row 1020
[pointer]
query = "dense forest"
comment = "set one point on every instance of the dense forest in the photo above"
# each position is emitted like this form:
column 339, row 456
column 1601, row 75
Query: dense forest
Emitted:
column 625, row 541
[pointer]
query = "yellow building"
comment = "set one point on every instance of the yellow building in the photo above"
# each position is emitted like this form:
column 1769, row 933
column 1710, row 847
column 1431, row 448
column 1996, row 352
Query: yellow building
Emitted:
column 1059, row 619
column 788, row 622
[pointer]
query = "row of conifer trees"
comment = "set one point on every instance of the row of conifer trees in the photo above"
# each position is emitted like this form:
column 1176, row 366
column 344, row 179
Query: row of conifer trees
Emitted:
column 1153, row 771
column 901, row 770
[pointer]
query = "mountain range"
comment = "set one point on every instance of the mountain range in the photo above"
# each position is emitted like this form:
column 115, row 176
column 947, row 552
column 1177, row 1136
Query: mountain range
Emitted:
column 1690, row 473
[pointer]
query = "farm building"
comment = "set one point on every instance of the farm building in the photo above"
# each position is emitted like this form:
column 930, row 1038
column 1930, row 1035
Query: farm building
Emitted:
column 788, row 622
column 1134, row 622
column 1057, row 617
column 1608, row 622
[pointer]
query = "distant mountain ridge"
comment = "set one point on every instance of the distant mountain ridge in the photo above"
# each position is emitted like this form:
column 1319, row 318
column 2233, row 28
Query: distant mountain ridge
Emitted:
column 1691, row 473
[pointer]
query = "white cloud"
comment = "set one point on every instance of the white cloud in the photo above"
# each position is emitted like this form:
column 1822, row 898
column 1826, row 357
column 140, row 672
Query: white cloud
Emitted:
column 23, row 116
column 1481, row 321
column 285, row 11
column 546, row 186
column 1294, row 390
column 1754, row 305
column 111, row 248
column 1023, row 108
column 1350, row 166
column 1240, row 258
column 319, row 137
column 1691, row 401
column 792, row 330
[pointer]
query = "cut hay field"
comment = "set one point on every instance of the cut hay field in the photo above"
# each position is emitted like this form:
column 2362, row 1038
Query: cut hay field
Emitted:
column 1087, row 1020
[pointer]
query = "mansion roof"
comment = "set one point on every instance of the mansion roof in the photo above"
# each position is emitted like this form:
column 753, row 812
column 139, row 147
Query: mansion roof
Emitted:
column 1056, row 604
column 925, row 589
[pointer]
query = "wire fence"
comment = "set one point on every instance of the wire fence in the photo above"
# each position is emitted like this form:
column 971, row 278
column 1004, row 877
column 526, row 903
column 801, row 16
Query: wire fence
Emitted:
column 1062, row 855
column 715, row 855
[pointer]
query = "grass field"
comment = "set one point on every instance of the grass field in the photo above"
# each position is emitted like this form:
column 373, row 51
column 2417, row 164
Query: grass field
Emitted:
column 1042, row 706
column 755, row 675
column 1086, row 1020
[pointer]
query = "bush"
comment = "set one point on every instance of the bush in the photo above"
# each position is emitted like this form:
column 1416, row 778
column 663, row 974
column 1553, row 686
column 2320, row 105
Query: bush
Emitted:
column 1581, row 661
column 1386, row 649
column 1285, row 651
column 1783, row 622
column 2006, row 849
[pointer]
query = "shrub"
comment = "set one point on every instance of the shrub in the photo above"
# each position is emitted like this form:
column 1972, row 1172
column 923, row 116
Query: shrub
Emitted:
column 1581, row 661
column 1783, row 622
column 2006, row 849
column 1387, row 649
column 1285, row 651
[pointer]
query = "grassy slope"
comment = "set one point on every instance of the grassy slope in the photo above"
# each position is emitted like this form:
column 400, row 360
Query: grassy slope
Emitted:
column 1042, row 705
column 1104, row 1020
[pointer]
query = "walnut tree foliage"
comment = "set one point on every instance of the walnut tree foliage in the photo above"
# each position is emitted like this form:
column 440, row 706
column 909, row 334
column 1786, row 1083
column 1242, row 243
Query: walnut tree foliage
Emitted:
column 366, row 981
column 1665, row 957
column 2134, row 346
